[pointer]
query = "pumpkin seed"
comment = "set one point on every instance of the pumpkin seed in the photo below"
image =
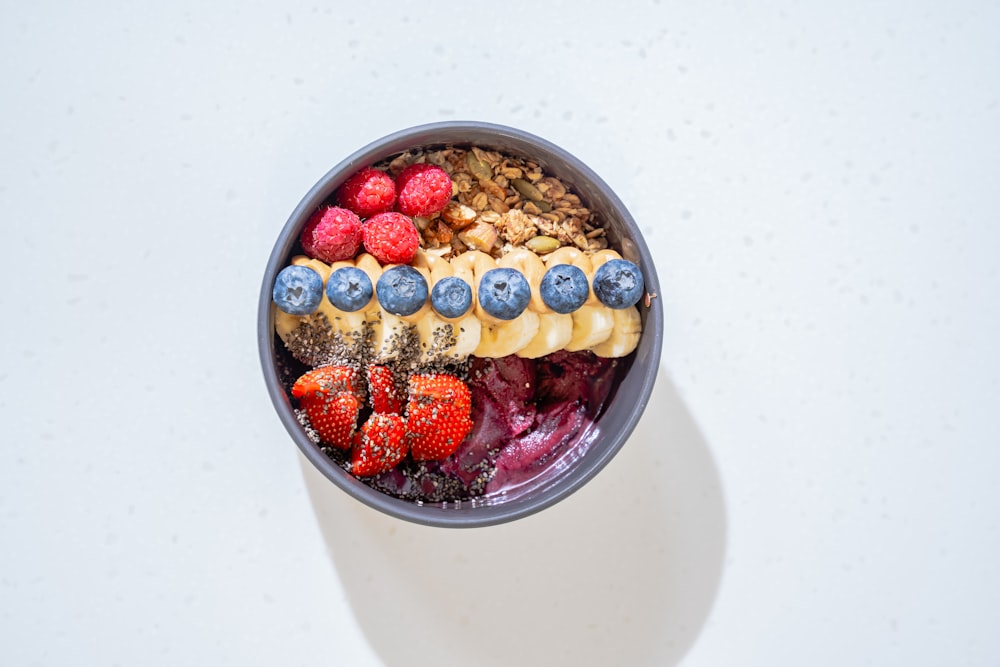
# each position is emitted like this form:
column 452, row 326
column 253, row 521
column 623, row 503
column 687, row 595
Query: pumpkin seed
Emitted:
column 541, row 245
column 479, row 169
column 526, row 189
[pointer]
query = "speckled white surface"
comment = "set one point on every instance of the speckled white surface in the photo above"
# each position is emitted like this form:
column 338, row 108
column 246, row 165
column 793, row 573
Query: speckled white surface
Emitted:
column 815, row 484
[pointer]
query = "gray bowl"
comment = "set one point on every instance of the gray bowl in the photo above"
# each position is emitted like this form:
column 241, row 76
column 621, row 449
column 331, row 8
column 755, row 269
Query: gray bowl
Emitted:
column 622, row 410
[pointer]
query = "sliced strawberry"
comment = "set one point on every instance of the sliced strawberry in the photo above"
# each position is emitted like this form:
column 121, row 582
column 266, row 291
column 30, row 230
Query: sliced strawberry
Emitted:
column 327, row 380
column 329, row 396
column 333, row 416
column 429, row 387
column 382, row 390
column 379, row 446
column 437, row 415
column 434, row 432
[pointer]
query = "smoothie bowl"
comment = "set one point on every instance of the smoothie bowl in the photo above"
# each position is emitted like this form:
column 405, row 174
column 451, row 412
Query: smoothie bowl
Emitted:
column 459, row 324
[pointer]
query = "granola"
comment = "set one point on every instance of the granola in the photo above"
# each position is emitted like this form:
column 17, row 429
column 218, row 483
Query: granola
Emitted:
column 502, row 202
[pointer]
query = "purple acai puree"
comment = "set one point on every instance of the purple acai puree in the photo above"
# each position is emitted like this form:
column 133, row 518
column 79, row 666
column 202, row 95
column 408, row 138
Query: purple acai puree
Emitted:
column 527, row 414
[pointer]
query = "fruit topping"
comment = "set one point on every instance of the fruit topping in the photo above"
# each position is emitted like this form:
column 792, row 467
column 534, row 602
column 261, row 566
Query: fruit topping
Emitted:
column 382, row 390
column 368, row 192
column 379, row 446
column 391, row 238
column 332, row 234
column 327, row 380
column 564, row 288
column 349, row 289
column 298, row 290
column 504, row 293
column 451, row 297
column 401, row 290
column 422, row 189
column 438, row 415
column 618, row 283
column 332, row 416
column 328, row 397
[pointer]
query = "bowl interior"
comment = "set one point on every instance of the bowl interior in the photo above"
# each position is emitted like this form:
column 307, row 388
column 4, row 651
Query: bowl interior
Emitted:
column 622, row 410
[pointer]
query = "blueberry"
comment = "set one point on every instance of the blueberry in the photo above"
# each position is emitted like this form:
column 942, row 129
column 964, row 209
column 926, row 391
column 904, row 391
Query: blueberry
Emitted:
column 401, row 290
column 451, row 297
column 298, row 290
column 564, row 288
column 504, row 293
column 349, row 289
column 618, row 283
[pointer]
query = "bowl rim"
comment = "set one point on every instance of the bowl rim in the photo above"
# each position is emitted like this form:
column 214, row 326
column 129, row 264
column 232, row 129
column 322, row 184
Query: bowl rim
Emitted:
column 466, row 514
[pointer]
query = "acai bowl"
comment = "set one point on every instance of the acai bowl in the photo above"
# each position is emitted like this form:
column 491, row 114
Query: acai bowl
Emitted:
column 459, row 324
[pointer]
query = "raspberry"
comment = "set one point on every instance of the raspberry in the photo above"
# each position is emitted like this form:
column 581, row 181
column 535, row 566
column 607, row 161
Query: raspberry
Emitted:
column 368, row 192
column 332, row 234
column 391, row 238
column 423, row 189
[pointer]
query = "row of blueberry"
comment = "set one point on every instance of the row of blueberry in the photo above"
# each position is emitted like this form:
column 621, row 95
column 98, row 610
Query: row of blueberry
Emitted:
column 504, row 293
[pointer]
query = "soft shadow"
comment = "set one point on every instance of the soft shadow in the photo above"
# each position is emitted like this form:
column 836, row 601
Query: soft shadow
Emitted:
column 624, row 572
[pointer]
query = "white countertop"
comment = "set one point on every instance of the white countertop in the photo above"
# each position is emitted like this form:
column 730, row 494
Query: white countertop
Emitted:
column 813, row 484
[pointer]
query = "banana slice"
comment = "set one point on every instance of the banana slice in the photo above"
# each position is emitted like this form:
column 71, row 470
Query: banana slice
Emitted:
column 624, row 335
column 555, row 331
column 390, row 335
column 500, row 339
column 592, row 325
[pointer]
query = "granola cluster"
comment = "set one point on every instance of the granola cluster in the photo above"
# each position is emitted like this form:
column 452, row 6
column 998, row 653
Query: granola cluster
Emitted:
column 501, row 202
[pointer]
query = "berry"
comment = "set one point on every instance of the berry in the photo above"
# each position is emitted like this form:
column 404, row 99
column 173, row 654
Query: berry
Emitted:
column 401, row 290
column 298, row 290
column 438, row 415
column 368, row 192
column 332, row 234
column 382, row 390
column 451, row 297
column 327, row 380
column 349, row 289
column 391, row 238
column 422, row 189
column 333, row 417
column 328, row 397
column 618, row 283
column 564, row 288
column 504, row 293
column 379, row 446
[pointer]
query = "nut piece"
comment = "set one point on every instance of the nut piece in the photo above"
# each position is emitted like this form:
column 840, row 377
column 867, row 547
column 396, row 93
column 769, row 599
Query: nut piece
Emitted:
column 458, row 216
column 479, row 236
